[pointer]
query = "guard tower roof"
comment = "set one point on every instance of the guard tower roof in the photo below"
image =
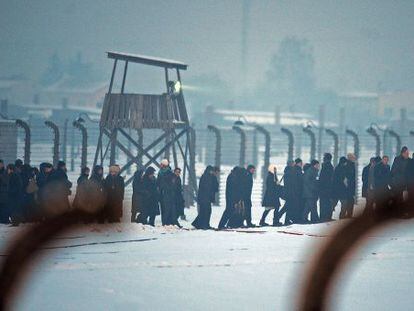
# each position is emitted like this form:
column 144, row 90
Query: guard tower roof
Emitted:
column 148, row 60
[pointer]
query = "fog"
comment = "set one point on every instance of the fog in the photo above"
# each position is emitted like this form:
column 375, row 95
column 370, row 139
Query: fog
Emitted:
column 352, row 46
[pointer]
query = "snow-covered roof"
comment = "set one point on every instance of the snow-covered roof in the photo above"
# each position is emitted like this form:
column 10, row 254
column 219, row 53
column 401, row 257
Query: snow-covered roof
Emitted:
column 148, row 60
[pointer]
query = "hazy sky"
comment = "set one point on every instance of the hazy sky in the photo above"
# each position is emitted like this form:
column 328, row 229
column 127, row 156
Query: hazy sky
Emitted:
column 357, row 43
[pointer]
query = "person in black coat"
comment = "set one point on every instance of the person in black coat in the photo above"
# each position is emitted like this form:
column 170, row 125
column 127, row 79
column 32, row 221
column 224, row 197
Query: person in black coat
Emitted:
column 297, row 185
column 368, row 185
column 167, row 184
column 97, row 186
column 59, row 188
column 137, row 198
column 114, row 190
column 239, row 190
column 206, row 195
column 4, row 214
column 149, row 198
column 288, row 193
column 410, row 185
column 382, row 181
column 350, row 185
column 326, row 197
column 234, row 198
column 84, row 176
column 311, row 192
column 251, row 169
column 29, row 190
column 42, row 180
column 271, row 197
column 179, row 196
column 82, row 179
column 14, row 195
column 341, row 186
column 399, row 176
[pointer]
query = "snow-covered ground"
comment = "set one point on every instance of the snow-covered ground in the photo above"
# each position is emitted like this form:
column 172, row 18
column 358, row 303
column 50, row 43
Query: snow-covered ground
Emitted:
column 135, row 267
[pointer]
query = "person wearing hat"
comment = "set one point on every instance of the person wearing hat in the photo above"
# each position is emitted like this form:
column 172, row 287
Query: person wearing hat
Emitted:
column 167, row 184
column 148, row 207
column 114, row 190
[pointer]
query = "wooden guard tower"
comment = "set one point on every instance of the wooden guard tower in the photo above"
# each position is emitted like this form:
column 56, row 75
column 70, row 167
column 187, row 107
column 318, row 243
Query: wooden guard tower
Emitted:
column 124, row 114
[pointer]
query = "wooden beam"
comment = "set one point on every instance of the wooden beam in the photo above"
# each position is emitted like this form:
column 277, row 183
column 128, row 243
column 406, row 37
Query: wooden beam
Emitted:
column 112, row 77
column 124, row 77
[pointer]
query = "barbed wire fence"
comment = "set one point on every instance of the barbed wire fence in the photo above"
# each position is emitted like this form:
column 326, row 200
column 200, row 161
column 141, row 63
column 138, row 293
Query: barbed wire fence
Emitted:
column 73, row 150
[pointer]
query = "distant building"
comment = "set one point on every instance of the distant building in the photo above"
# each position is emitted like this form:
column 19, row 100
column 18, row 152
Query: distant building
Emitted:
column 17, row 89
column 390, row 104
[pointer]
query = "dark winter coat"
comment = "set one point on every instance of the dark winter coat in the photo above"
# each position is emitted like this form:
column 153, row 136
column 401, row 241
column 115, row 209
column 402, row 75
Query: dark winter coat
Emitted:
column 399, row 174
column 97, row 184
column 249, row 188
column 350, row 179
column 99, row 180
column 339, row 185
column 28, row 197
column 115, row 190
column 234, row 187
column 167, row 184
column 137, row 192
column 82, row 179
column 310, row 183
column 272, row 192
column 365, row 175
column 298, row 181
column 14, row 193
column 289, row 185
column 42, row 180
column 382, row 179
column 179, row 196
column 150, row 197
column 3, row 186
column 207, row 188
column 236, row 195
column 326, row 180
column 410, row 179
column 57, row 191
column 60, row 177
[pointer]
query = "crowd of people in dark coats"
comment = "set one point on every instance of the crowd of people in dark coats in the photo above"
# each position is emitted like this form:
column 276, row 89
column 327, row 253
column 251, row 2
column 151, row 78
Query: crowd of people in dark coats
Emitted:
column 28, row 194
column 303, row 185
column 382, row 184
column 158, row 195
